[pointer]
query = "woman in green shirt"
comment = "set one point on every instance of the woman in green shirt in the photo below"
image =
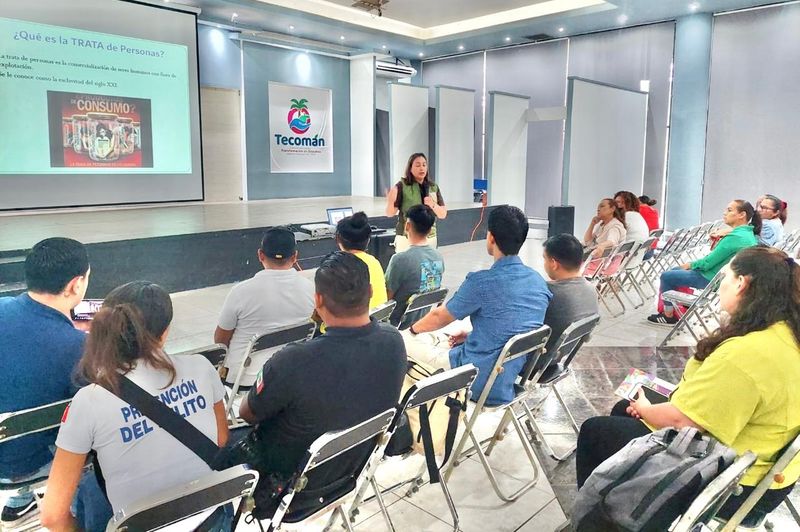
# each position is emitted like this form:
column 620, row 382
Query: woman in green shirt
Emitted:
column 746, row 224
column 740, row 386
column 414, row 188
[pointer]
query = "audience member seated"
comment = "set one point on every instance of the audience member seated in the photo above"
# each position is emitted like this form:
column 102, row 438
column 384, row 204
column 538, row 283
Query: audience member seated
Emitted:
column 137, row 458
column 507, row 299
column 773, row 217
column 740, row 386
column 746, row 224
column 39, row 349
column 635, row 225
column 650, row 216
column 417, row 270
column 607, row 229
column 349, row 374
column 574, row 298
column 275, row 297
column 352, row 236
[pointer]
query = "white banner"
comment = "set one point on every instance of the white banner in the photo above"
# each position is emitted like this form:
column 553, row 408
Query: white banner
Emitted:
column 300, row 129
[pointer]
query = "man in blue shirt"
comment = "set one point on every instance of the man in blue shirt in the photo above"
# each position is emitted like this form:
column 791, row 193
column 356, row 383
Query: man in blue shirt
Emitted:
column 39, row 349
column 507, row 299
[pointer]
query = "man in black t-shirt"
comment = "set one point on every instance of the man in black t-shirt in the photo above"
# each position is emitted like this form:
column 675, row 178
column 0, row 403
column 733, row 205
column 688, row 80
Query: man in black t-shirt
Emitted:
column 349, row 374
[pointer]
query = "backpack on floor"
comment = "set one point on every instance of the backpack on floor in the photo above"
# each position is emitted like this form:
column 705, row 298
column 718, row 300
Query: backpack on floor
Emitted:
column 649, row 482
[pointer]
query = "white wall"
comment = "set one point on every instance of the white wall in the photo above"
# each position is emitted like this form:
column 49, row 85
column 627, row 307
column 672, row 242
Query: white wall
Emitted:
column 455, row 142
column 362, row 126
column 507, row 148
column 408, row 124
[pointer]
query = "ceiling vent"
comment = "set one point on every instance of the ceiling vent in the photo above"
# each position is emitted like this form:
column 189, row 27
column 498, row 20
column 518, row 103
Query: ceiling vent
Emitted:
column 385, row 69
column 539, row 37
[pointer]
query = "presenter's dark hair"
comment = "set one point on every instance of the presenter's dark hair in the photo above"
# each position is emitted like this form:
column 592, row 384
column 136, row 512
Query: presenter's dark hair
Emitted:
column 779, row 206
column 342, row 279
column 772, row 295
column 422, row 218
column 408, row 178
column 126, row 331
column 353, row 232
column 509, row 227
column 647, row 200
column 629, row 200
column 751, row 214
column 53, row 263
column 566, row 250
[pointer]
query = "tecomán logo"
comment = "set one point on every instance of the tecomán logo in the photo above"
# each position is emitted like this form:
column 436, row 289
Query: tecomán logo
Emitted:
column 299, row 120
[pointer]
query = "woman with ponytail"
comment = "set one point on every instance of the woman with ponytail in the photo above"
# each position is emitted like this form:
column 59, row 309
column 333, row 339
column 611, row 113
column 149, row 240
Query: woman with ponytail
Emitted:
column 137, row 458
column 740, row 386
column 746, row 224
column 773, row 215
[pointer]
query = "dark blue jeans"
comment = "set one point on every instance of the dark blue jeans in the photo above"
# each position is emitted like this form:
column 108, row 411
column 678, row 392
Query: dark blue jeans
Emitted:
column 678, row 278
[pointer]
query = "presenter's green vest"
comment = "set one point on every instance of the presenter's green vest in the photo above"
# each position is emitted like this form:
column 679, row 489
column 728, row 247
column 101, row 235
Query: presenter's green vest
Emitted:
column 411, row 195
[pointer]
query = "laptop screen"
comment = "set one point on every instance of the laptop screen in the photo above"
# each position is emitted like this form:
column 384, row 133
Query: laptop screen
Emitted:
column 334, row 215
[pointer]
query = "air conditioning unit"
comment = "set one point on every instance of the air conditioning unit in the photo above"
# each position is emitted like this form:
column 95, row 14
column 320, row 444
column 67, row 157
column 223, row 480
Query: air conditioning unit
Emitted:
column 384, row 69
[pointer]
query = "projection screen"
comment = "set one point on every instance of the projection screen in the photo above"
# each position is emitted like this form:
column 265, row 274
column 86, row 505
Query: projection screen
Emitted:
column 99, row 104
column 604, row 145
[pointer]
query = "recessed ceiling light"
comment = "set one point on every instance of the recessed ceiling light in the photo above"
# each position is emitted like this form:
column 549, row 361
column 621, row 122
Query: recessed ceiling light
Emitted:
column 508, row 39
column 622, row 19
column 383, row 46
column 561, row 30
column 694, row 6
column 234, row 16
column 291, row 28
column 460, row 46
column 341, row 37
column 421, row 54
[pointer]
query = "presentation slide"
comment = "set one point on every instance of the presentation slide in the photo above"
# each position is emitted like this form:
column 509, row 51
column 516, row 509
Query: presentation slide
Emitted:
column 111, row 110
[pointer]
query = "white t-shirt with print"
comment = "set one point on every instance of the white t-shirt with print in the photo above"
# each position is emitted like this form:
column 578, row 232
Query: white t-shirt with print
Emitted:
column 271, row 299
column 138, row 458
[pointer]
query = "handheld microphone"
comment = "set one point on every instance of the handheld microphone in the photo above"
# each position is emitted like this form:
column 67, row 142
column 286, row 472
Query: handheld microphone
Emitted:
column 423, row 187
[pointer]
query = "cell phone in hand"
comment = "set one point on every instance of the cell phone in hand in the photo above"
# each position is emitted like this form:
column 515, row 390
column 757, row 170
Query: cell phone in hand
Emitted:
column 86, row 309
column 652, row 395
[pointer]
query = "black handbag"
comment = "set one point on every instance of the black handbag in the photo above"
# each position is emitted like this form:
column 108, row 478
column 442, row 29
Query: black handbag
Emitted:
column 402, row 440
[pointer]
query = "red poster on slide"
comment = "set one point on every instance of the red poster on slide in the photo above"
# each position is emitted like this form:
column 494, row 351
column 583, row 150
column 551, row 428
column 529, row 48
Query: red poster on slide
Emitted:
column 99, row 131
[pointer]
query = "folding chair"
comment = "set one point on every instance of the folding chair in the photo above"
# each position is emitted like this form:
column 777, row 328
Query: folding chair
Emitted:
column 703, row 509
column 654, row 267
column 553, row 371
column 259, row 350
column 531, row 345
column 592, row 265
column 789, row 453
column 631, row 269
column 656, row 233
column 325, row 448
column 421, row 303
column 383, row 312
column 701, row 308
column 424, row 392
column 607, row 280
column 14, row 425
column 214, row 353
column 179, row 503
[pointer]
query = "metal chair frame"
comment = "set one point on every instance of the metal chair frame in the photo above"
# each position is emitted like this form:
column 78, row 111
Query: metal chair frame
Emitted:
column 607, row 278
column 701, row 308
column 214, row 353
column 422, row 301
column 261, row 342
column 632, row 268
column 14, row 425
column 178, row 503
column 425, row 391
column 653, row 268
column 703, row 509
column 569, row 343
column 325, row 448
column 530, row 344
column 382, row 313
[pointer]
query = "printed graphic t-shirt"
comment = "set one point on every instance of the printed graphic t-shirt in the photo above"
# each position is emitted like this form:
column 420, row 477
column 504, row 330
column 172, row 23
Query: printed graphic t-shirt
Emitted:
column 411, row 272
column 138, row 458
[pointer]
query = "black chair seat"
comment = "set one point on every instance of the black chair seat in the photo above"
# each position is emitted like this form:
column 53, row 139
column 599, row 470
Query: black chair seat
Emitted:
column 553, row 372
column 306, row 504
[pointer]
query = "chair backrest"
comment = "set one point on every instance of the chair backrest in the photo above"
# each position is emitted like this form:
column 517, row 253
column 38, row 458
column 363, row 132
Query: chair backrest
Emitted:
column 673, row 240
column 15, row 425
column 383, row 312
column 422, row 301
column 329, row 446
column 636, row 256
column 789, row 453
column 181, row 502
column 592, row 266
column 271, row 340
column 569, row 343
column 214, row 353
column 438, row 385
column 617, row 259
column 710, row 500
column 657, row 233
column 710, row 291
column 530, row 344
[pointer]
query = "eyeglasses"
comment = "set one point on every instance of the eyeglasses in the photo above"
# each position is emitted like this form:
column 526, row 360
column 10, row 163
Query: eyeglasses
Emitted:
column 763, row 207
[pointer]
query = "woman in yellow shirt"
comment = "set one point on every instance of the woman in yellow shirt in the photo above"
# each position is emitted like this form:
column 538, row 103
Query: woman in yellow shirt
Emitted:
column 352, row 235
column 740, row 386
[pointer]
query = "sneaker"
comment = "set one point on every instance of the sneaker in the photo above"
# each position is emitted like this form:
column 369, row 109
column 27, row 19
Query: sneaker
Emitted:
column 12, row 517
column 662, row 319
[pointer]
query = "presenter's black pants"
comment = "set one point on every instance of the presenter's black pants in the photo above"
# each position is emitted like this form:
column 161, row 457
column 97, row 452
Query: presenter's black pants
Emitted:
column 601, row 437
